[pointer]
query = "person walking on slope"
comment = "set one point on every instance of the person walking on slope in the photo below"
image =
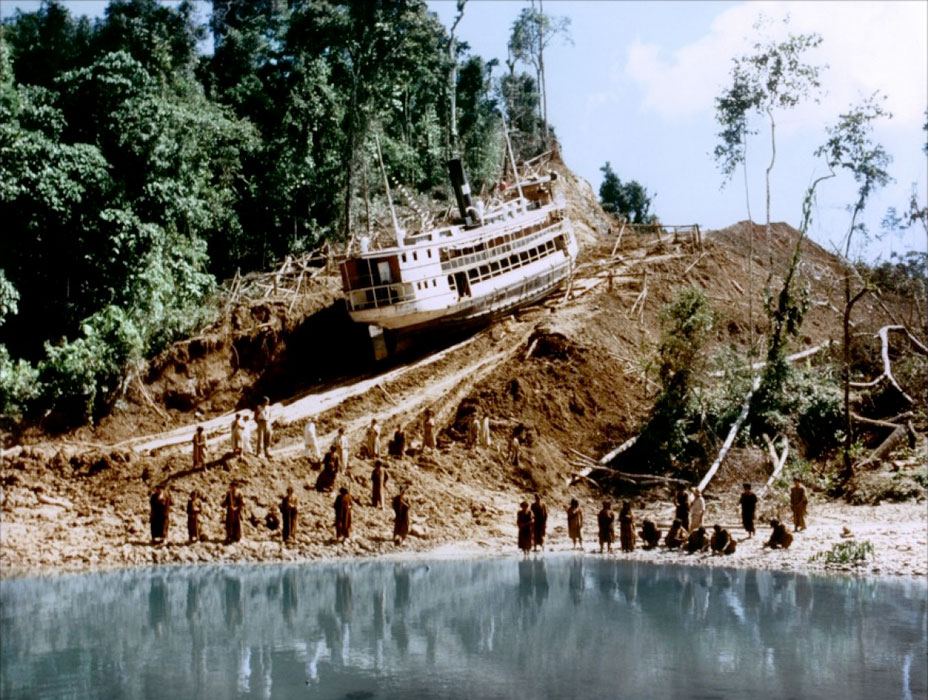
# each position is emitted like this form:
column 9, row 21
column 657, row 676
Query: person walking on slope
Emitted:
column 343, row 452
column 263, row 422
column 311, row 441
column 748, row 503
column 373, row 439
column 682, row 510
column 236, row 432
column 428, row 430
column 539, row 523
column 199, row 448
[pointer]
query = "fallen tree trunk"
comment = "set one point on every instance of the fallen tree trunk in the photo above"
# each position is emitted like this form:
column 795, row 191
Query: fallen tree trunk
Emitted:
column 745, row 409
column 789, row 358
column 883, row 450
column 779, row 460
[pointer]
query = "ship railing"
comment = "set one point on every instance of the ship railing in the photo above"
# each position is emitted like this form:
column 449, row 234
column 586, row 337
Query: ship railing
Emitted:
column 380, row 295
column 498, row 251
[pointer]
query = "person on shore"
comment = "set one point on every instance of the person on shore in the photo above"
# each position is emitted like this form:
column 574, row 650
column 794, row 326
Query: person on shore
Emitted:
column 798, row 502
column 199, row 448
column 524, row 523
column 341, row 442
column 326, row 479
column 606, row 521
column 721, row 542
column 698, row 541
column 400, row 517
column 428, row 430
column 311, row 442
column 539, row 523
column 160, row 519
column 342, row 515
column 194, row 508
column 697, row 509
column 575, row 523
column 650, row 534
column 512, row 456
column 247, row 429
column 263, row 422
column 236, row 432
column 379, row 478
column 748, row 503
column 372, row 439
column 627, row 527
column 289, row 509
column 397, row 446
column 473, row 431
column 485, row 439
column 676, row 535
column 234, row 503
column 682, row 507
column 780, row 538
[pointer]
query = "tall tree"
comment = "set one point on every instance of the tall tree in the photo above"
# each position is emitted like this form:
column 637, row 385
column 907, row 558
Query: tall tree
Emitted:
column 532, row 32
column 628, row 199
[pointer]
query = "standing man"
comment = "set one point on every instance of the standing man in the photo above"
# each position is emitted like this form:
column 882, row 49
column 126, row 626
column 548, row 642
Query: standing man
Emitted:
column 798, row 502
column 697, row 509
column 342, row 515
column 606, row 520
column 373, row 439
column 311, row 441
column 263, row 421
column 428, row 430
column 540, row 523
column 575, row 523
column 288, row 514
column 234, row 504
column 160, row 514
column 199, row 448
column 485, row 438
column 401, row 517
column 247, row 429
column 627, row 527
column 473, row 429
column 194, row 508
column 326, row 479
column 379, row 478
column 342, row 443
column 237, row 432
column 512, row 457
column 524, row 523
column 682, row 510
column 748, row 503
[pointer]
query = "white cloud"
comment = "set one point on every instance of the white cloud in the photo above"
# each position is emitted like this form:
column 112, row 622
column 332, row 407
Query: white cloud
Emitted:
column 868, row 46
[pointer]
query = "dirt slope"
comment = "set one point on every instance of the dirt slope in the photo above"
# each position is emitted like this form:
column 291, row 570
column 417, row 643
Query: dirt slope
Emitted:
column 571, row 371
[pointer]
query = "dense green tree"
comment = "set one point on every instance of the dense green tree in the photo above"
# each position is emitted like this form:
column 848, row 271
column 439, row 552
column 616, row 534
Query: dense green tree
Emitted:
column 627, row 199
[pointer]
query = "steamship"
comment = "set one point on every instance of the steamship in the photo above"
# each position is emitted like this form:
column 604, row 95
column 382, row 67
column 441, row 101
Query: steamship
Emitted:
column 493, row 260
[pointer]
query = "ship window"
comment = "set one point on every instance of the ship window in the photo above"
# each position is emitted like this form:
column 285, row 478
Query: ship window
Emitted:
column 523, row 256
column 484, row 271
column 404, row 257
column 451, row 281
column 415, row 255
column 504, row 263
column 472, row 273
column 434, row 283
column 383, row 271
column 494, row 266
column 514, row 260
column 429, row 251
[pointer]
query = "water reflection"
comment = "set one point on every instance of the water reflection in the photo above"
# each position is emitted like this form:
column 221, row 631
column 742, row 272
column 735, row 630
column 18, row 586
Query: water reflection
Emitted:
column 547, row 626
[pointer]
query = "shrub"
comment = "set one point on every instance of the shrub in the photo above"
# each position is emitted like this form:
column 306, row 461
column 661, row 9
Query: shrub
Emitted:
column 849, row 552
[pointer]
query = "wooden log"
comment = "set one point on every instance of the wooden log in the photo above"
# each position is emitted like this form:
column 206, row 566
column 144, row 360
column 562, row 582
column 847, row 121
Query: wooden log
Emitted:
column 884, row 449
column 778, row 462
column 736, row 426
column 618, row 240
column 887, row 366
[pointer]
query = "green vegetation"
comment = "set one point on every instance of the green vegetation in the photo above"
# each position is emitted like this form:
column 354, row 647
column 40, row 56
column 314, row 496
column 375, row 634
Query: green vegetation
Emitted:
column 135, row 171
column 849, row 552
column 627, row 199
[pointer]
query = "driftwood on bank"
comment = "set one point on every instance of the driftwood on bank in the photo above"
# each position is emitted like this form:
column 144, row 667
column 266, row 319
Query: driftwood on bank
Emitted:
column 735, row 428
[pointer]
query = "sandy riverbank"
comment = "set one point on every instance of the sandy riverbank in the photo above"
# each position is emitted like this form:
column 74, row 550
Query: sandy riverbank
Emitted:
column 898, row 533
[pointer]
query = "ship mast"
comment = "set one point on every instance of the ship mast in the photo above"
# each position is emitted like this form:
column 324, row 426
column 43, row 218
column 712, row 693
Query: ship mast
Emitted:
column 512, row 160
column 386, row 183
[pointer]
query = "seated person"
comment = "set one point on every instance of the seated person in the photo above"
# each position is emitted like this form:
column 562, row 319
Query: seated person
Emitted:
column 780, row 538
column 397, row 446
column 676, row 535
column 697, row 541
column 722, row 542
column 649, row 534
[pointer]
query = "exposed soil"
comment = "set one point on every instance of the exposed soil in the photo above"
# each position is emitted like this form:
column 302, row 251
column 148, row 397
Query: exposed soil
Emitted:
column 572, row 371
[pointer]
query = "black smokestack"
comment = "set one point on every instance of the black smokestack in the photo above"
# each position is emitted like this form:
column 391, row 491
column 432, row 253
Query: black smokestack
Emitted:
column 461, row 189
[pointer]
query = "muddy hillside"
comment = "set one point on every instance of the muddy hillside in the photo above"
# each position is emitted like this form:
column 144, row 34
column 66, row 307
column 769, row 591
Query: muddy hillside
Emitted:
column 575, row 372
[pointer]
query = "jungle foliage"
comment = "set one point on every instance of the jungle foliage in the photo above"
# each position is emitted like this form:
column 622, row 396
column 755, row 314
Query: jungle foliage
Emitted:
column 136, row 171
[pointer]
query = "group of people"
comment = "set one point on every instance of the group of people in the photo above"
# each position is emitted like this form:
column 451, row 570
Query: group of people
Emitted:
column 686, row 532
column 233, row 504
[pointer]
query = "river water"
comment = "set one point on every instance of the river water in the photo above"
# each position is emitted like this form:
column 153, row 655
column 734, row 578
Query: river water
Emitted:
column 559, row 626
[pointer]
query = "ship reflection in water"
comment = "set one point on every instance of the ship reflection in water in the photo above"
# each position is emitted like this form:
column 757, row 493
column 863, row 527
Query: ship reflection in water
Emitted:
column 562, row 626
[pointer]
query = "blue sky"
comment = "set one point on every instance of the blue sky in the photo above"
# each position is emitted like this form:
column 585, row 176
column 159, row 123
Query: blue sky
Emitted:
column 636, row 87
